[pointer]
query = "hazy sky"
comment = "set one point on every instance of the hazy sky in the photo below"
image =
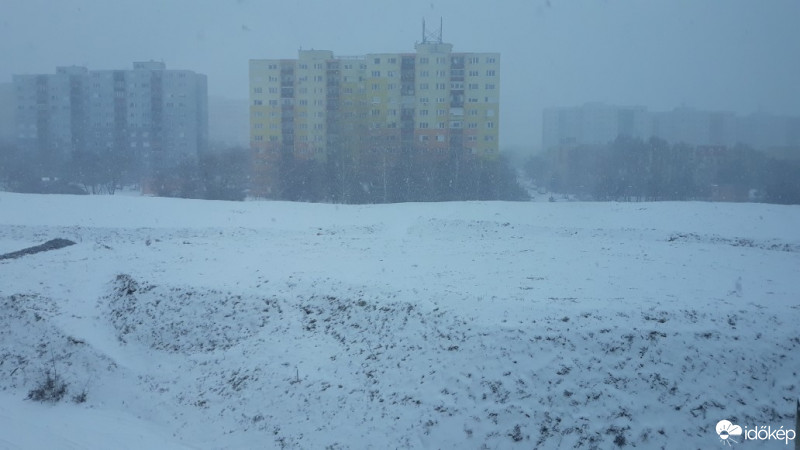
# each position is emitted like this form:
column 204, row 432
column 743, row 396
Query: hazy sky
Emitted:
column 738, row 55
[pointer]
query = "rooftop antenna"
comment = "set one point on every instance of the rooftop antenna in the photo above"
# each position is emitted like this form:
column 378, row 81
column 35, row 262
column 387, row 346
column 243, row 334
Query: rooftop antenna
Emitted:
column 432, row 37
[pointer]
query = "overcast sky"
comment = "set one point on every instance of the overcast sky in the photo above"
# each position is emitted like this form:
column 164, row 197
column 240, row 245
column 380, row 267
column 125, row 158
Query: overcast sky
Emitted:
column 737, row 55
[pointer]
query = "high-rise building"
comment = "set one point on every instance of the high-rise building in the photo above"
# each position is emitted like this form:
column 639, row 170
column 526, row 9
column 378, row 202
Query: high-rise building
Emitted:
column 7, row 124
column 150, row 115
column 599, row 124
column 434, row 101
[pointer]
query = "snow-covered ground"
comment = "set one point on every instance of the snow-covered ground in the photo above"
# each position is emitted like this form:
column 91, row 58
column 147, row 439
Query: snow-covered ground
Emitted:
column 199, row 324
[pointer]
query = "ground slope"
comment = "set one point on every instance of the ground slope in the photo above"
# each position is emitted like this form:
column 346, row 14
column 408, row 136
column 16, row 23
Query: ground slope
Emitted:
column 456, row 325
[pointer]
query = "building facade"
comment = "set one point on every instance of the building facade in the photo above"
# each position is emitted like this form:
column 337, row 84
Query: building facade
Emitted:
column 598, row 124
column 7, row 124
column 433, row 100
column 151, row 115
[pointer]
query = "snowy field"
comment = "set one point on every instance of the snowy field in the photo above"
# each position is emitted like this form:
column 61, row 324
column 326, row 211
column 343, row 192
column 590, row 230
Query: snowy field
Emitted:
column 199, row 324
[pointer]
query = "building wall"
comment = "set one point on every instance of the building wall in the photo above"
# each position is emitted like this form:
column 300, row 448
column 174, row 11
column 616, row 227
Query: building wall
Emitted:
column 433, row 100
column 7, row 113
column 598, row 124
column 157, row 116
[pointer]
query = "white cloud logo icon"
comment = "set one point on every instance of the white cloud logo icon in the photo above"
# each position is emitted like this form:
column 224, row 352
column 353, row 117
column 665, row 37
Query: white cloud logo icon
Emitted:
column 726, row 431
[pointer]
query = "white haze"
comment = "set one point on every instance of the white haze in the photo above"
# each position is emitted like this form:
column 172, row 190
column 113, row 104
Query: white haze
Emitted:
column 736, row 55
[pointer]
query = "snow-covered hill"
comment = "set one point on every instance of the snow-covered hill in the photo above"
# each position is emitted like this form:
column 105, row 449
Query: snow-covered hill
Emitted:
column 459, row 325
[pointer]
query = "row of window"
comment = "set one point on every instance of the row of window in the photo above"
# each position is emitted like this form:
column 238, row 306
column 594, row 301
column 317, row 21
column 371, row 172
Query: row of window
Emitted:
column 376, row 74
column 439, row 60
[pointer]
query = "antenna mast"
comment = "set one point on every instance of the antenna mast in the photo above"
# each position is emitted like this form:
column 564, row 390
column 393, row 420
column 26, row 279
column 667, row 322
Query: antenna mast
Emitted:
column 432, row 37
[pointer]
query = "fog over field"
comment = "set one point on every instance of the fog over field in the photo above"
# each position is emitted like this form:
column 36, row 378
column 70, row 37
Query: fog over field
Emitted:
column 401, row 224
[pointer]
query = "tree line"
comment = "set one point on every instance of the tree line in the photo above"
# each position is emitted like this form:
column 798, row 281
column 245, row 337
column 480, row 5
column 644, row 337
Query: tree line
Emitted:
column 631, row 169
column 235, row 173
column 380, row 177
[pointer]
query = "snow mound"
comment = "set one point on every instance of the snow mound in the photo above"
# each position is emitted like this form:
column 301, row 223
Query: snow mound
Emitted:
column 32, row 345
column 176, row 319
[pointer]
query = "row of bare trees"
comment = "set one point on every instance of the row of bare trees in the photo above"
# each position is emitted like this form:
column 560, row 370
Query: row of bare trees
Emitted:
column 629, row 169
column 381, row 177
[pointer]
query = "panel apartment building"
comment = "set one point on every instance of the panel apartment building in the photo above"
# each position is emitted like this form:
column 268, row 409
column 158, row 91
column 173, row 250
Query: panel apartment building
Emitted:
column 159, row 117
column 434, row 100
column 599, row 124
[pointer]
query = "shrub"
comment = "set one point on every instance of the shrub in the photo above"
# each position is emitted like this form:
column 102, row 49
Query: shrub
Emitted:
column 51, row 389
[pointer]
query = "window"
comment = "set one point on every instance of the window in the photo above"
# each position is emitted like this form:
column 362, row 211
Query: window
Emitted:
column 490, row 125
column 423, row 112
column 392, row 60
column 377, row 60
column 441, row 86
column 423, row 86
column 255, row 103
column 490, row 73
column 472, row 125
column 474, row 86
column 441, row 112
column 440, row 138
column 423, row 124
column 423, row 60
column 490, row 59
column 376, row 73
column 489, row 86
column 257, row 90
column 423, row 73
column 473, row 73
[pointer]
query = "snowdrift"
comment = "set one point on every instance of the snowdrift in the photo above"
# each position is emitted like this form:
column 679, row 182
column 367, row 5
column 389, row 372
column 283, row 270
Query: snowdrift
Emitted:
column 192, row 324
